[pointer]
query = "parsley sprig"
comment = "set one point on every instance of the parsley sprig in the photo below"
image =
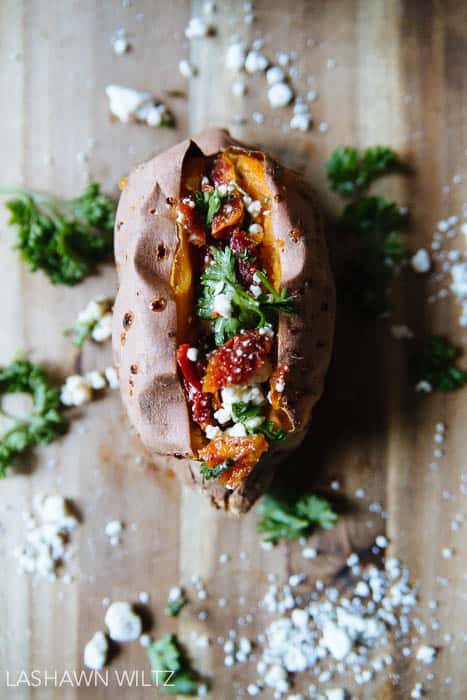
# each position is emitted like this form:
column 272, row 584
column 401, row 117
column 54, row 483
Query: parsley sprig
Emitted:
column 46, row 421
column 217, row 471
column 249, row 312
column 170, row 668
column 64, row 238
column 291, row 519
column 350, row 172
column 243, row 411
column 374, row 220
column 436, row 363
column 209, row 203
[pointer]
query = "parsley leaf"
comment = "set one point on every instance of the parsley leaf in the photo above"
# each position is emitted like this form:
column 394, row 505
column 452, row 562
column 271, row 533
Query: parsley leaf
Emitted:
column 82, row 329
column 249, row 312
column 64, row 238
column 350, row 171
column 380, row 250
column 243, row 411
column 293, row 519
column 167, row 657
column 436, row 364
column 45, row 422
column 215, row 472
column 208, row 203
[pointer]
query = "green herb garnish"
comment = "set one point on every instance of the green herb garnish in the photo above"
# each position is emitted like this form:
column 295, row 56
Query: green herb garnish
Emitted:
column 249, row 312
column 351, row 172
column 291, row 519
column 175, row 605
column 209, row 203
column 45, row 422
column 83, row 329
column 64, row 238
column 171, row 670
column 215, row 472
column 436, row 364
column 243, row 411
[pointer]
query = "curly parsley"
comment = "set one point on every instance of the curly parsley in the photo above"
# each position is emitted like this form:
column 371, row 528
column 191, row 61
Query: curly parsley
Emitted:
column 171, row 671
column 217, row 471
column 436, row 364
column 64, row 238
column 46, row 421
column 249, row 312
column 209, row 203
column 243, row 411
column 351, row 172
column 292, row 519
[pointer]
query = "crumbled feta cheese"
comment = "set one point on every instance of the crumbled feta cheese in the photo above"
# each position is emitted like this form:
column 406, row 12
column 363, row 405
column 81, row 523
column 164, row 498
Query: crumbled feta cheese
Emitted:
column 336, row 640
column 213, row 432
column 123, row 623
column 95, row 310
column 96, row 652
column 255, row 229
column 153, row 114
column 335, row 694
column 309, row 553
column 253, row 423
column 301, row 122
column 96, row 380
column 242, row 393
column 102, row 331
column 256, row 290
column 145, row 640
column 114, row 529
column 239, row 88
column 192, row 354
column 256, row 62
column 222, row 305
column 187, row 69
column 112, row 377
column 459, row 280
column 237, row 430
column 274, row 75
column 423, row 386
column 426, row 654
column 280, row 95
column 76, row 391
column 401, row 332
column 421, row 261
column 235, row 56
column 197, row 28
column 124, row 102
column 222, row 415
column 254, row 208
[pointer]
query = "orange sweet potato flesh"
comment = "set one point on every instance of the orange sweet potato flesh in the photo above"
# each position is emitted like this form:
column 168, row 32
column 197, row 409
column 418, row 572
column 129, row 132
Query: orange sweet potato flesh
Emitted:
column 244, row 452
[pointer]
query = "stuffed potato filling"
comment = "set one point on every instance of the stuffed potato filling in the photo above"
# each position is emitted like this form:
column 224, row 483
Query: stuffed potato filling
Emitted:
column 228, row 364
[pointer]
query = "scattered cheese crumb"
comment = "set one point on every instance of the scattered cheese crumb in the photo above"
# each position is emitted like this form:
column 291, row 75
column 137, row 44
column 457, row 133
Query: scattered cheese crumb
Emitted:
column 421, row 261
column 123, row 623
column 280, row 95
column 235, row 56
column 187, row 69
column 256, row 62
column 96, row 652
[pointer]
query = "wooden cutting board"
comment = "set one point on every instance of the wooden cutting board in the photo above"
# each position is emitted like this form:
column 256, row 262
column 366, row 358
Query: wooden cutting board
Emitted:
column 389, row 72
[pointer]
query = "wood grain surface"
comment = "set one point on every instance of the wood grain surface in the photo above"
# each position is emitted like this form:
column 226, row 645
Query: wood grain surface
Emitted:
column 400, row 78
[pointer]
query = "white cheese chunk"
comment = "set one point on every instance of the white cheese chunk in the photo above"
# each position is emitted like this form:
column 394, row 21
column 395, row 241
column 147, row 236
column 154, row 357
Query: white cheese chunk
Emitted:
column 280, row 95
column 112, row 377
column 421, row 261
column 213, row 432
column 76, row 391
column 187, row 69
column 197, row 28
column 96, row 380
column 96, row 652
column 222, row 415
column 102, row 331
column 123, row 623
column 274, row 75
column 235, row 56
column 426, row 654
column 459, row 280
column 239, row 88
column 237, row 430
column 124, row 102
column 301, row 122
column 222, row 305
column 256, row 62
column 336, row 640
column 192, row 354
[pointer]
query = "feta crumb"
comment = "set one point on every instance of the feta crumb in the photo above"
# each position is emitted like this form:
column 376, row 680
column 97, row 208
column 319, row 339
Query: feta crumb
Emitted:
column 197, row 28
column 426, row 654
column 145, row 640
column 123, row 623
column 421, row 261
column 187, row 69
column 401, row 332
column 255, row 229
column 222, row 305
column 192, row 354
column 336, row 640
column 239, row 88
column 96, row 652
column 459, row 280
column 114, row 528
column 254, row 208
column 102, row 331
column 124, row 102
column 235, row 56
column 335, row 694
column 423, row 386
column 112, row 377
column 280, row 95
column 448, row 552
column 222, row 415
column 96, row 380
column 309, row 553
column 255, row 62
column 301, row 122
column 213, row 432
column 275, row 75
column 76, row 391
column 237, row 430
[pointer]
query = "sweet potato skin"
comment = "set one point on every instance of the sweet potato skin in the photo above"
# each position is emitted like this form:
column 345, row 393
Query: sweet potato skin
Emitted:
column 145, row 348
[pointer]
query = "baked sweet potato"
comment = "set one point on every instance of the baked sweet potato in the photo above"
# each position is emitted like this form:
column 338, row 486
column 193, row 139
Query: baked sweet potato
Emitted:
column 224, row 319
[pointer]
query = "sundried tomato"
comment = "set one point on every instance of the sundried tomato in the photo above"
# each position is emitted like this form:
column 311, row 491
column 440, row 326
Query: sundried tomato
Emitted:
column 200, row 402
column 244, row 452
column 192, row 221
column 223, row 171
column 237, row 360
column 229, row 216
